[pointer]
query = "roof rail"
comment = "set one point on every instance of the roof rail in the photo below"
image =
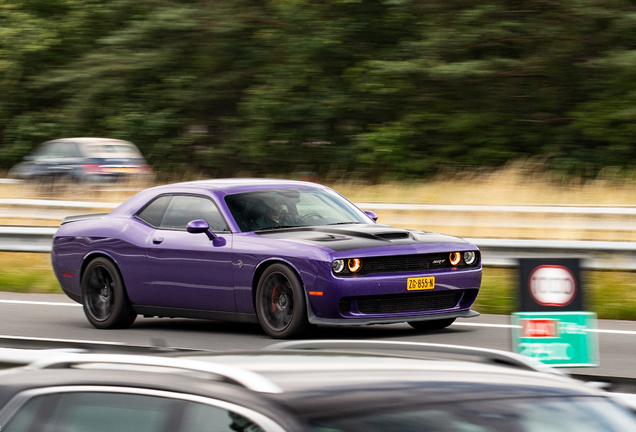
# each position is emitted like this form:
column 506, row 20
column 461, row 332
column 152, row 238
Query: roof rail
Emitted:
column 508, row 358
column 242, row 377
column 20, row 357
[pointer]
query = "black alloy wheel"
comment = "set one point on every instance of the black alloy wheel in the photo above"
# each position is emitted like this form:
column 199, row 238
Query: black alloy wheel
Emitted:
column 432, row 324
column 104, row 297
column 280, row 303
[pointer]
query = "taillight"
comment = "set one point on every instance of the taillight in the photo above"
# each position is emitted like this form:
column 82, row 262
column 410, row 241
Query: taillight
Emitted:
column 92, row 169
column 146, row 169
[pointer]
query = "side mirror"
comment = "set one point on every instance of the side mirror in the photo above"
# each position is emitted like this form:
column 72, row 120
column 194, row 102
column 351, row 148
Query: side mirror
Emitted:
column 371, row 215
column 200, row 226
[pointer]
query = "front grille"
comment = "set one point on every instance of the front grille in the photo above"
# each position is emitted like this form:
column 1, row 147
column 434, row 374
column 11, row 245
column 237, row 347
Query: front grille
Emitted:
column 401, row 263
column 384, row 304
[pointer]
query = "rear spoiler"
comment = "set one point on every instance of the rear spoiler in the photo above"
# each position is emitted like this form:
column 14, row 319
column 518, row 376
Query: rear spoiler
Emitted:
column 82, row 217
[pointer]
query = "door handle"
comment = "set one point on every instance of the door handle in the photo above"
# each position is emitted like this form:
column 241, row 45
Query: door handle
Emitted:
column 157, row 240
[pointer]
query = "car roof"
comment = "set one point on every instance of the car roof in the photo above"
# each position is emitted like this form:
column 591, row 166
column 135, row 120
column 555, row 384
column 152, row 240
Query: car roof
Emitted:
column 300, row 371
column 313, row 384
column 230, row 186
column 219, row 186
column 225, row 186
column 323, row 384
column 89, row 140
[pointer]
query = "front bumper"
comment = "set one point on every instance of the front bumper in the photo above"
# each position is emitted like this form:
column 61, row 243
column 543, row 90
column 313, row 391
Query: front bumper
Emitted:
column 385, row 298
column 313, row 319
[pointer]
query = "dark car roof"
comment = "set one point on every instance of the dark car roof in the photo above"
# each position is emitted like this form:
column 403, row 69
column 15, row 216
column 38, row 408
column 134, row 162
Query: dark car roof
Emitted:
column 323, row 384
column 318, row 385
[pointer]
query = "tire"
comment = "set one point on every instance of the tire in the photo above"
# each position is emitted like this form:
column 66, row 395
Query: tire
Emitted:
column 104, row 297
column 280, row 303
column 432, row 324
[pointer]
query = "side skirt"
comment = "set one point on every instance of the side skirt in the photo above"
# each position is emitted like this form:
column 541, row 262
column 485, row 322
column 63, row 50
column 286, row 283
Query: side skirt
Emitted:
column 150, row 311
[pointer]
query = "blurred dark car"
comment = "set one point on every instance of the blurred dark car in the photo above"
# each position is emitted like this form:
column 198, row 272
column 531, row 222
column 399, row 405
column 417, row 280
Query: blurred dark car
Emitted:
column 304, row 386
column 96, row 160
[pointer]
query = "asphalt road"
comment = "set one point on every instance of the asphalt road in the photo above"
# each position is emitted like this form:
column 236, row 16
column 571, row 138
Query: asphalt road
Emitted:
column 43, row 317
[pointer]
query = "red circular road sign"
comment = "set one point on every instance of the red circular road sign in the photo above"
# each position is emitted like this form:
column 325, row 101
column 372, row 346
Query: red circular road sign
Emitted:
column 552, row 285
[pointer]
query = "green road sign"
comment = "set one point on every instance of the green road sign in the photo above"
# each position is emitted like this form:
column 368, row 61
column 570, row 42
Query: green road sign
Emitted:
column 560, row 339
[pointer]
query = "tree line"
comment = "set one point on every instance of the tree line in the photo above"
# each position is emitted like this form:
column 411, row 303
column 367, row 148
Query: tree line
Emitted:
column 375, row 88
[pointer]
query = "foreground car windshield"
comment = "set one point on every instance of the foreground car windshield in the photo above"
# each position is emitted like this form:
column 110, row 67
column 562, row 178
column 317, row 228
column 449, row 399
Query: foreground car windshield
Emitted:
column 575, row 414
column 280, row 208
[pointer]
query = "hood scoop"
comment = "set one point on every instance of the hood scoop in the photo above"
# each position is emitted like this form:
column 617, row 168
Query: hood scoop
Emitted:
column 326, row 237
column 394, row 235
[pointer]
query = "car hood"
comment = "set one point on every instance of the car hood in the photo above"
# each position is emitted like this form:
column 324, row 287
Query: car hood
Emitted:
column 350, row 236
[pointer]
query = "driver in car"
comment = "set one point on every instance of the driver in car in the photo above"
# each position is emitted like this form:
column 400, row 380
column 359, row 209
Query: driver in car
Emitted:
column 274, row 215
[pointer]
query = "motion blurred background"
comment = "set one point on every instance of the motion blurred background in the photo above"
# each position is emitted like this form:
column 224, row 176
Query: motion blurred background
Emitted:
column 437, row 101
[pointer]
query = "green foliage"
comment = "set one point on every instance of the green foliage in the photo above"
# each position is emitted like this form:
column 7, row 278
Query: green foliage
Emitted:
column 379, row 88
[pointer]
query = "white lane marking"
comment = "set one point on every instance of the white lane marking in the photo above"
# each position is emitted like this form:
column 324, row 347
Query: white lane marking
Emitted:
column 485, row 325
column 40, row 339
column 468, row 324
column 623, row 332
column 40, row 303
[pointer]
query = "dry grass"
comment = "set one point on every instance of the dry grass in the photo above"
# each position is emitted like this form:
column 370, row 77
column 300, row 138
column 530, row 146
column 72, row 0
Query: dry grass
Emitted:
column 513, row 185
column 27, row 272
column 520, row 183
column 517, row 184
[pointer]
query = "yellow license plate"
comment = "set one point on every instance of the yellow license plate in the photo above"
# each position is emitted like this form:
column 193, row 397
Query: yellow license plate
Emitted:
column 124, row 170
column 420, row 283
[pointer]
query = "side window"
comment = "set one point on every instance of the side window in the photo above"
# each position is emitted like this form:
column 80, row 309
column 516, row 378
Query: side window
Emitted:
column 153, row 212
column 93, row 412
column 185, row 208
column 44, row 151
column 68, row 150
column 27, row 418
column 200, row 417
column 54, row 151
column 110, row 412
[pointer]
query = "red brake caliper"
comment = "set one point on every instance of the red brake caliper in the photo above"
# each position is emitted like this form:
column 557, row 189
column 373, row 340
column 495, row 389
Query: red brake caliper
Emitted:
column 274, row 298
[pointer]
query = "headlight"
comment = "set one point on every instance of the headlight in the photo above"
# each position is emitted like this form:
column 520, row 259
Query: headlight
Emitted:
column 337, row 266
column 469, row 257
column 455, row 258
column 354, row 265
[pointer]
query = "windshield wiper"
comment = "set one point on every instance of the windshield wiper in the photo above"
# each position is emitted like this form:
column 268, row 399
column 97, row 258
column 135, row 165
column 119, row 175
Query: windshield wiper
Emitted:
column 344, row 223
column 277, row 227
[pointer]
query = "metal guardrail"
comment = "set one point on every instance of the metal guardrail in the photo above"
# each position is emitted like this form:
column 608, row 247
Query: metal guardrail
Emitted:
column 581, row 210
column 574, row 209
column 602, row 255
column 495, row 252
column 56, row 203
column 602, row 223
column 597, row 255
column 26, row 239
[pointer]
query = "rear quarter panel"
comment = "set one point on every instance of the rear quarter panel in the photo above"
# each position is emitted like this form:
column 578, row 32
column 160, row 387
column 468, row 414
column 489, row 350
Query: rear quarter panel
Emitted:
column 122, row 239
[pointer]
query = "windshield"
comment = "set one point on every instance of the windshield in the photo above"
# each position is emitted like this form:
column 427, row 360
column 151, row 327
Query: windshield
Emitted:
column 112, row 151
column 282, row 208
column 565, row 414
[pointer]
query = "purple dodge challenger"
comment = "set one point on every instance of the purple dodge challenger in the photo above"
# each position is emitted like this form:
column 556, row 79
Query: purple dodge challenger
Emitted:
column 285, row 254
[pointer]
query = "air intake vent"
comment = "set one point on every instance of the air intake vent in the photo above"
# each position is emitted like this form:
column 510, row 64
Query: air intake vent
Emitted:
column 393, row 236
column 408, row 302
